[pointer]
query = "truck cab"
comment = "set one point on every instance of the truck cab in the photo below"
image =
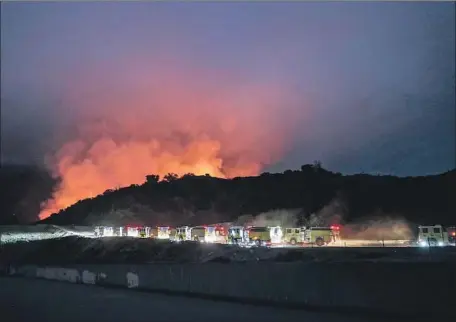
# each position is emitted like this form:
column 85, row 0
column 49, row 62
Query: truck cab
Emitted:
column 132, row 231
column 144, row 232
column 430, row 236
column 119, row 231
column 259, row 236
column 292, row 236
column 181, row 234
column 215, row 234
column 198, row 233
column 276, row 234
column 163, row 232
column 237, row 235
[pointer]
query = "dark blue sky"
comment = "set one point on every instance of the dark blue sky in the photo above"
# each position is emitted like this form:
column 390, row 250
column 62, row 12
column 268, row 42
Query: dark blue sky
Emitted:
column 370, row 86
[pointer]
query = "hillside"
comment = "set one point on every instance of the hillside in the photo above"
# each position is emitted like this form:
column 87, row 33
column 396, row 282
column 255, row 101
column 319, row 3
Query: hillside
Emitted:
column 202, row 199
column 22, row 190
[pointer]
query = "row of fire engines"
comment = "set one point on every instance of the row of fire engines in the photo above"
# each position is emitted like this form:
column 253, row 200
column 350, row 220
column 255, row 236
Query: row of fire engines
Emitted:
column 225, row 234
column 268, row 236
column 132, row 231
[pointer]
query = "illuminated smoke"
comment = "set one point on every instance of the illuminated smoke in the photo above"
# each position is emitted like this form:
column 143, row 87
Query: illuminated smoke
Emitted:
column 331, row 214
column 135, row 121
column 272, row 218
column 380, row 226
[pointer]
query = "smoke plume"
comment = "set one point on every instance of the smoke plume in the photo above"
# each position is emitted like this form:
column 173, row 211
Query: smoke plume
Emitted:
column 278, row 217
column 135, row 121
column 375, row 226
column 331, row 214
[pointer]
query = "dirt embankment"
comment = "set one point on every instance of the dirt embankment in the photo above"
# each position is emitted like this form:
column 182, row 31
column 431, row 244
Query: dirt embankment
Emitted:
column 73, row 249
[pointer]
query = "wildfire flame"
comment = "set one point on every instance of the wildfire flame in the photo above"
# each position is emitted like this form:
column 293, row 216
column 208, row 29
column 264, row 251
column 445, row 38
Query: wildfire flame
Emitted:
column 160, row 122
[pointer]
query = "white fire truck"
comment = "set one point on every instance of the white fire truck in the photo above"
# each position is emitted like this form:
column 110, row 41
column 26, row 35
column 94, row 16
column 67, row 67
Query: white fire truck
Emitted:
column 436, row 235
column 163, row 232
column 104, row 231
column 215, row 234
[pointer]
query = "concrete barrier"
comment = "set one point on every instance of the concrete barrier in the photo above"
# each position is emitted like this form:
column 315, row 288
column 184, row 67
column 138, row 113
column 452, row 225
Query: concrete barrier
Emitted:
column 400, row 289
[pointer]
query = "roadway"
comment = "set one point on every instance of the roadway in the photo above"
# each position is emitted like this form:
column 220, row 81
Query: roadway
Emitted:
column 38, row 300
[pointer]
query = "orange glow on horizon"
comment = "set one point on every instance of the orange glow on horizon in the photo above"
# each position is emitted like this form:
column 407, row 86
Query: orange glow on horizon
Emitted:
column 179, row 124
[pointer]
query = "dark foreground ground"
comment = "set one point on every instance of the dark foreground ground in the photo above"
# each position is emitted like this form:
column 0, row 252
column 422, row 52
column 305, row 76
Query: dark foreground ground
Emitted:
column 38, row 300
column 80, row 250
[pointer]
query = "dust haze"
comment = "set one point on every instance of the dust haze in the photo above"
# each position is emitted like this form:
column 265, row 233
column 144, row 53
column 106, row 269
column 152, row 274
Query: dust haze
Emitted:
column 377, row 225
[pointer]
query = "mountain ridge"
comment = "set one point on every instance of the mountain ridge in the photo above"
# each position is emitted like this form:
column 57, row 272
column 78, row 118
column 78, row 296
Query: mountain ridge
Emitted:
column 197, row 200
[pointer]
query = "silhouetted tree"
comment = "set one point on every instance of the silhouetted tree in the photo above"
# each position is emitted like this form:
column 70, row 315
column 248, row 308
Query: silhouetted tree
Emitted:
column 317, row 165
column 152, row 178
column 171, row 177
column 306, row 168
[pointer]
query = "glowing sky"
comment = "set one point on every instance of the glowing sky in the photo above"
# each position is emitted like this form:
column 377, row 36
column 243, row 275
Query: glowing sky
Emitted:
column 254, row 87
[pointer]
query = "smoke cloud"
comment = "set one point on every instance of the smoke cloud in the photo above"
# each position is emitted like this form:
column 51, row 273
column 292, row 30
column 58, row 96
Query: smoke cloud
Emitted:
column 331, row 214
column 379, row 227
column 278, row 217
column 138, row 120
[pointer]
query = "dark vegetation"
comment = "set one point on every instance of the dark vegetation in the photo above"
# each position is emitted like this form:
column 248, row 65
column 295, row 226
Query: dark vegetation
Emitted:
column 22, row 190
column 202, row 199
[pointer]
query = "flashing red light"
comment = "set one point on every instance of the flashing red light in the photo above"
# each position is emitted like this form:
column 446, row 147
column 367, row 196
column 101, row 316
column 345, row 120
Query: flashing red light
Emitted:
column 335, row 227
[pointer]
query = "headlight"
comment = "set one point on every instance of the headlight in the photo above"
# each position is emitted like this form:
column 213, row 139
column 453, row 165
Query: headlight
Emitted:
column 423, row 243
column 440, row 243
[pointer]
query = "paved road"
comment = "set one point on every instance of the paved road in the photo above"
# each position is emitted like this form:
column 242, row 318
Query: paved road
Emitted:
column 39, row 300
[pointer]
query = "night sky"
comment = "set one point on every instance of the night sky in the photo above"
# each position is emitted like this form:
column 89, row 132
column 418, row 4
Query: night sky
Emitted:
column 363, row 87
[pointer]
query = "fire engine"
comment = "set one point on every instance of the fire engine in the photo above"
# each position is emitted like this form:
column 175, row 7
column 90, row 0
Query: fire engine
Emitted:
column 144, row 232
column 237, row 235
column 163, row 232
column 293, row 236
column 180, row 234
column 259, row 236
column 305, row 235
column 215, row 234
column 198, row 233
column 132, row 231
column 436, row 235
column 321, row 236
column 104, row 231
